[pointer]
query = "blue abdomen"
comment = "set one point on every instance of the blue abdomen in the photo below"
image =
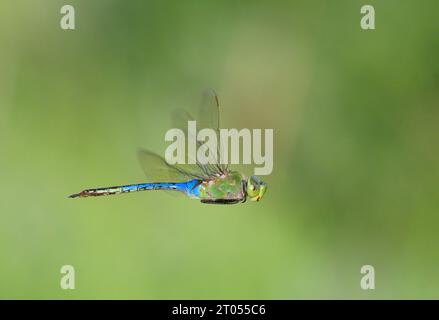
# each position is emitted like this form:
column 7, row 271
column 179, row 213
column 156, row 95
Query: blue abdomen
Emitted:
column 190, row 188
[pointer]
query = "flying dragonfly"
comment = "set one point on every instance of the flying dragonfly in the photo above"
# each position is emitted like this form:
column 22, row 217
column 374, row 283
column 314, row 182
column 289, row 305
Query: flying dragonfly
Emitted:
column 211, row 183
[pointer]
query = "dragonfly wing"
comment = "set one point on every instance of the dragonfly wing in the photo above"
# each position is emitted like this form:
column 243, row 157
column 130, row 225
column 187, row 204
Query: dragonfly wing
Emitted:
column 180, row 121
column 209, row 114
column 158, row 170
column 209, row 117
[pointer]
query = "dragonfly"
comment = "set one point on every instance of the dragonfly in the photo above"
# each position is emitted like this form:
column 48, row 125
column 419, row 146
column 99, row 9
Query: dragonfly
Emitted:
column 211, row 183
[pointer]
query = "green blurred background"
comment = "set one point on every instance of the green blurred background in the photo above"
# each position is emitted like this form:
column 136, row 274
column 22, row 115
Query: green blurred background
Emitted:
column 355, row 179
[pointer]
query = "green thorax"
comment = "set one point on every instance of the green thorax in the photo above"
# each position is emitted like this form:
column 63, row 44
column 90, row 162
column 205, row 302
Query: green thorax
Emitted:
column 229, row 186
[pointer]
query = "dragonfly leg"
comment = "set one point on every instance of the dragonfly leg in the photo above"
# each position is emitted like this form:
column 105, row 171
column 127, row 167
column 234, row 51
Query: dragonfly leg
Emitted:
column 221, row 201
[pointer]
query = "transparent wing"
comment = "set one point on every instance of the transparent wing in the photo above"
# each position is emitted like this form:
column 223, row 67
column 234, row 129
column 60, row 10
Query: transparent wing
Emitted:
column 158, row 170
column 180, row 121
column 208, row 117
column 209, row 113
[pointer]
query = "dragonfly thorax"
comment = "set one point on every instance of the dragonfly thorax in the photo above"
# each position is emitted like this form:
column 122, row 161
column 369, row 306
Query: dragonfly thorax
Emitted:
column 227, row 186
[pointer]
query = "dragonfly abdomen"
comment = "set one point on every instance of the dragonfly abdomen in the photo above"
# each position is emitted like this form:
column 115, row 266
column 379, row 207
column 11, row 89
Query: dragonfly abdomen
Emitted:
column 186, row 187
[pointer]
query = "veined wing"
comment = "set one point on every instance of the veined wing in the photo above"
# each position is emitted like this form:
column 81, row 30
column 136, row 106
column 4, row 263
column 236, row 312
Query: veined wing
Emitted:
column 208, row 117
column 158, row 170
column 209, row 111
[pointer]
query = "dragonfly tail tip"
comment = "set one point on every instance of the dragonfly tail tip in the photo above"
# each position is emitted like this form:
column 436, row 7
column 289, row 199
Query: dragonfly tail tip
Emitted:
column 76, row 195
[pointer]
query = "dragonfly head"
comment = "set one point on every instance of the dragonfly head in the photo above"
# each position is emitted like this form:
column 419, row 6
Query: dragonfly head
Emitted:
column 256, row 188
